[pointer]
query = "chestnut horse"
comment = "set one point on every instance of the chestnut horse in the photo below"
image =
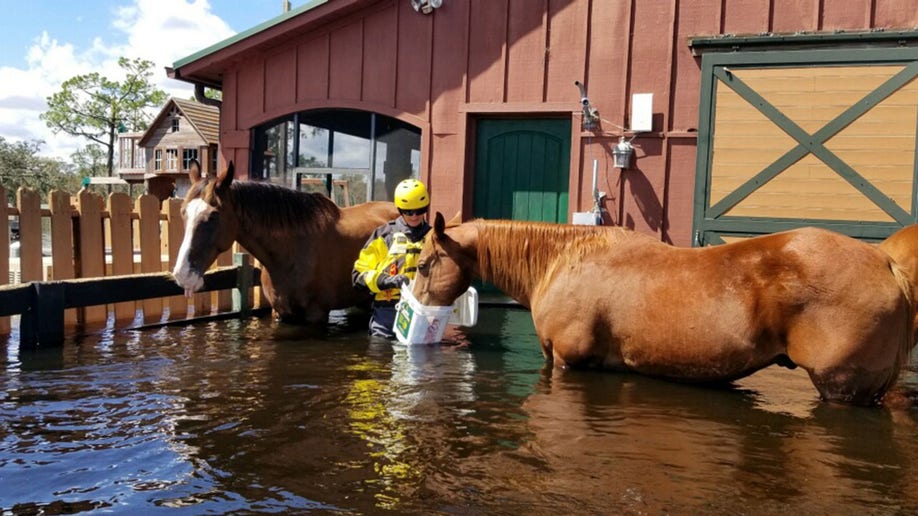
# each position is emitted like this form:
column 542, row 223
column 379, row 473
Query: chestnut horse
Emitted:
column 612, row 298
column 902, row 247
column 304, row 242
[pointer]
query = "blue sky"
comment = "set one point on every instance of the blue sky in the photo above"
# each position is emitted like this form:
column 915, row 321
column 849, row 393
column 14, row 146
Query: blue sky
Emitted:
column 43, row 43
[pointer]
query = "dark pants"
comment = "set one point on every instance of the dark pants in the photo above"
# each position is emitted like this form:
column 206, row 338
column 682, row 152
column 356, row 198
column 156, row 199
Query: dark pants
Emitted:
column 382, row 320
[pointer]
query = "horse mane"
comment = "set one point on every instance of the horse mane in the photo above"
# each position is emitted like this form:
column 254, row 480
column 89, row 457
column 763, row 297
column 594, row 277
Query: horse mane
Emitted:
column 280, row 208
column 520, row 254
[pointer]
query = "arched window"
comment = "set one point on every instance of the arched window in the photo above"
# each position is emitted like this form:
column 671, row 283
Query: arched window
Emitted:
column 356, row 156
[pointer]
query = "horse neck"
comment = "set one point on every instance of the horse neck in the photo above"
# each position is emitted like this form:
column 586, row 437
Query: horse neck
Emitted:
column 272, row 228
column 257, row 241
column 516, row 257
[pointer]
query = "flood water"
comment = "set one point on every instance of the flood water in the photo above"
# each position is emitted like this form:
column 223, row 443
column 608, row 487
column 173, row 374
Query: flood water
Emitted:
column 254, row 416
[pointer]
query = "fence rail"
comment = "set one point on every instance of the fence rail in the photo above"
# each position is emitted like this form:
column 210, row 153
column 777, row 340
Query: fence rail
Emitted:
column 94, row 237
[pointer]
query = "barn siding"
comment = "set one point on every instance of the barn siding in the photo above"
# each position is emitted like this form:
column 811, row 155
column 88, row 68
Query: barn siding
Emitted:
column 346, row 62
column 487, row 52
column 526, row 51
column 280, row 80
column 379, row 48
column 414, row 56
column 312, row 70
column 569, row 30
column 475, row 58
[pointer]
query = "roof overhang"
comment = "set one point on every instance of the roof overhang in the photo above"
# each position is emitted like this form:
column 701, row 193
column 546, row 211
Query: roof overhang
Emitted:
column 207, row 66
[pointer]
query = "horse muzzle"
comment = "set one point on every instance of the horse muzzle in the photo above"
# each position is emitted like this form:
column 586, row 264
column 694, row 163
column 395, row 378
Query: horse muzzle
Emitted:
column 188, row 279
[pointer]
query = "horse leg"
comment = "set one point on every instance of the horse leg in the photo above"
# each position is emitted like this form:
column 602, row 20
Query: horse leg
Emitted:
column 846, row 363
column 570, row 343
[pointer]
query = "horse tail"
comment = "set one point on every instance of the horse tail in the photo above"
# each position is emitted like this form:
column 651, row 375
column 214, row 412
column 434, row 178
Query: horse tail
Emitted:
column 905, row 346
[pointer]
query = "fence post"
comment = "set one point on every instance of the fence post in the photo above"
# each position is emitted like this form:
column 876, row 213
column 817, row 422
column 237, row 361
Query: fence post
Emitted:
column 62, row 256
column 49, row 305
column 224, row 299
column 150, row 249
column 28, row 321
column 120, row 224
column 92, row 249
column 242, row 302
column 178, row 305
column 5, row 325
column 30, row 253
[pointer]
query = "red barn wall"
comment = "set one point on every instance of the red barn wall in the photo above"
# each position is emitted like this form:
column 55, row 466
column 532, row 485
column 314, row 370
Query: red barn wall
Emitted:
column 474, row 58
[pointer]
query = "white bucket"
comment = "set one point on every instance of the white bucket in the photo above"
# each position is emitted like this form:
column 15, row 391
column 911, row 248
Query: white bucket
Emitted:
column 465, row 309
column 419, row 324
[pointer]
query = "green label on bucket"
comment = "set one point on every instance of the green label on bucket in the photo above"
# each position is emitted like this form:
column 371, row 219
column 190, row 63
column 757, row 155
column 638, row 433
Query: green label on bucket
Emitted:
column 403, row 319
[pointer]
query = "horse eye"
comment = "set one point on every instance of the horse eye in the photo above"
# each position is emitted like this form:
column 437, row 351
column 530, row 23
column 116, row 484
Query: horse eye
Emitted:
column 423, row 267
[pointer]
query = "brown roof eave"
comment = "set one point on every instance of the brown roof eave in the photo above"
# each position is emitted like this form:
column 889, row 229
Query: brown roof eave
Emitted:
column 208, row 81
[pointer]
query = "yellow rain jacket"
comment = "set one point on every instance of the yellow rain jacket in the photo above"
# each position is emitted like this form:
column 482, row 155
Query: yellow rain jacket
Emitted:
column 392, row 249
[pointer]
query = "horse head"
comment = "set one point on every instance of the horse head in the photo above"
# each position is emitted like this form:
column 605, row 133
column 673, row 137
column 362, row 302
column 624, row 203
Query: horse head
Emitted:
column 210, row 226
column 448, row 263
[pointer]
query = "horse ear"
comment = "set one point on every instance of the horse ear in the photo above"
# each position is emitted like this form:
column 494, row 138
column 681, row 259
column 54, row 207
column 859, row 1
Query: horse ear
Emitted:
column 225, row 179
column 194, row 171
column 439, row 224
column 456, row 220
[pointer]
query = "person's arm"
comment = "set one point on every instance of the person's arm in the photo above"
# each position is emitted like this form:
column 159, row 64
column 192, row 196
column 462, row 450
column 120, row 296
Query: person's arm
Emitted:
column 368, row 262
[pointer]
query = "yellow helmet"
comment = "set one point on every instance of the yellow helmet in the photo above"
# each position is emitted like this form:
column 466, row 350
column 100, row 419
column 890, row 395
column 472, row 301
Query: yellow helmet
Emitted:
column 411, row 194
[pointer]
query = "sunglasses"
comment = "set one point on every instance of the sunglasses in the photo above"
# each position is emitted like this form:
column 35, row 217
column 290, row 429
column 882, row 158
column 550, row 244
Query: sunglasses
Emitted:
column 412, row 213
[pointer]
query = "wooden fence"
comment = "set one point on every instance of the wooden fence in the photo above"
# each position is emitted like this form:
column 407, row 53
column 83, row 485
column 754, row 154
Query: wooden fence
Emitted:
column 92, row 236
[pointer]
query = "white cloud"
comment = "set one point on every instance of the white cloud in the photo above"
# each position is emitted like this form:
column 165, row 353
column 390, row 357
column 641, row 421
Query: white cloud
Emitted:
column 165, row 31
column 162, row 31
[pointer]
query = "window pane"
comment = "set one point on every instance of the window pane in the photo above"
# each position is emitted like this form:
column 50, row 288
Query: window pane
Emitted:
column 187, row 156
column 397, row 156
column 276, row 155
column 171, row 159
column 313, row 146
column 338, row 145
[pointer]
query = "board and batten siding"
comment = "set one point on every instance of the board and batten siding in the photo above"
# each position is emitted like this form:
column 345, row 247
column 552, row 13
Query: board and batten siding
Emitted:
column 474, row 59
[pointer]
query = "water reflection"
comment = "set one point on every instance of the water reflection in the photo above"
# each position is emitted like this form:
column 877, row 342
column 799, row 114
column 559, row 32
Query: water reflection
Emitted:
column 257, row 416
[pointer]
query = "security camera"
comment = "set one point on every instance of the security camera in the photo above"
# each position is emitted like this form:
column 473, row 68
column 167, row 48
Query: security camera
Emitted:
column 583, row 96
column 426, row 6
column 590, row 114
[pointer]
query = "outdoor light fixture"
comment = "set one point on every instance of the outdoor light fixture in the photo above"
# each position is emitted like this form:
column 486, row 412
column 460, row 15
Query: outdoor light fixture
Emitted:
column 622, row 154
column 426, row 6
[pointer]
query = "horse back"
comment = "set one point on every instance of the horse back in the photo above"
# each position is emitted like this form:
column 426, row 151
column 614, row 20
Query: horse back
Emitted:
column 359, row 221
column 817, row 261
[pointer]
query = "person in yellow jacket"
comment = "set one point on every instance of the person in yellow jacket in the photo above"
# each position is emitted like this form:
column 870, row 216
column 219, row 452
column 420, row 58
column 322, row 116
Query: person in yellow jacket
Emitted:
column 389, row 258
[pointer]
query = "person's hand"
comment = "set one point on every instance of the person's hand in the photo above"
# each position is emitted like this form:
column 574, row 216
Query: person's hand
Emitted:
column 385, row 281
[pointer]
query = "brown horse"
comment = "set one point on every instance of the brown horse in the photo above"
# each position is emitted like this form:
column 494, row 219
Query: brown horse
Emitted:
column 902, row 246
column 304, row 242
column 612, row 298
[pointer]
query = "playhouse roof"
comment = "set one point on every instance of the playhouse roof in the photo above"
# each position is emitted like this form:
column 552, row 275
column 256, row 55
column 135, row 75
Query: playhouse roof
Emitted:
column 204, row 118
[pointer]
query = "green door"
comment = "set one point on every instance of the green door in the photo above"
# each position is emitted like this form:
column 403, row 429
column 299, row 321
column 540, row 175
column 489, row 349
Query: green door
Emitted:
column 522, row 169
